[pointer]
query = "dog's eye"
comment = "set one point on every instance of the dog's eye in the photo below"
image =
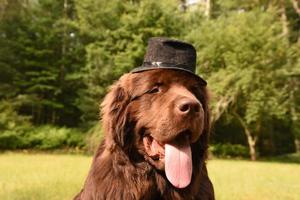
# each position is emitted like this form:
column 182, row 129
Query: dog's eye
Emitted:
column 154, row 90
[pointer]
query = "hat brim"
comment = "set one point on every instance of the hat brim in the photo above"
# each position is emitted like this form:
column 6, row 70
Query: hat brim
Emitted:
column 142, row 69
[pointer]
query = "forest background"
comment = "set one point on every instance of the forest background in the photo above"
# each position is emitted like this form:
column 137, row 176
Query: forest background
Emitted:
column 57, row 59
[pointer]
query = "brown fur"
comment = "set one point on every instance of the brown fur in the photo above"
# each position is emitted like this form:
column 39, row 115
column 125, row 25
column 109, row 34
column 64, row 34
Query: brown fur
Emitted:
column 121, row 168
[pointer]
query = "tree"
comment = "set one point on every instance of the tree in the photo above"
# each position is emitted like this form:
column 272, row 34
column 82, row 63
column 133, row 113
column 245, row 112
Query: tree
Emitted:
column 41, row 64
column 118, row 33
column 244, row 57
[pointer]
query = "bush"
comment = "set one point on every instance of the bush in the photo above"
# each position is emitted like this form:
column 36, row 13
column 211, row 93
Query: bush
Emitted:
column 49, row 137
column 229, row 150
column 43, row 138
column 12, row 125
column 10, row 140
column 10, row 119
column 94, row 137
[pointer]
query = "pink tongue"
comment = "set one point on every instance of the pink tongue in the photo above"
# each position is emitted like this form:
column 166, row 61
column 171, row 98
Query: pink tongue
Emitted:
column 178, row 163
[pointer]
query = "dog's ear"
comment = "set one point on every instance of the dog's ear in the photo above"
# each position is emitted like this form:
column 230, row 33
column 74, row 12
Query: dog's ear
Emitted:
column 114, row 111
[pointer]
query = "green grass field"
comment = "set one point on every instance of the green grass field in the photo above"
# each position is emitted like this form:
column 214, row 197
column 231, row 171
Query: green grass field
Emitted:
column 59, row 177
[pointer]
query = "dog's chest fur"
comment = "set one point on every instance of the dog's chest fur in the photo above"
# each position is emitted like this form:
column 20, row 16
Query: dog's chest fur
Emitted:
column 115, row 179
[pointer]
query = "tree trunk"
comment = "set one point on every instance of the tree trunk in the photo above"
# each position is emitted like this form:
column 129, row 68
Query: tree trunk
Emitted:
column 208, row 8
column 182, row 5
column 250, row 139
column 293, row 104
column 284, row 19
column 3, row 5
column 53, row 118
column 251, row 144
column 63, row 48
column 296, row 6
column 297, row 145
column 221, row 106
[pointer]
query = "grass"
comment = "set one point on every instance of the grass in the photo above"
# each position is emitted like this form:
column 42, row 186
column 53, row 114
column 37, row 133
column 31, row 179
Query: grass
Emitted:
column 246, row 180
column 59, row 177
column 41, row 176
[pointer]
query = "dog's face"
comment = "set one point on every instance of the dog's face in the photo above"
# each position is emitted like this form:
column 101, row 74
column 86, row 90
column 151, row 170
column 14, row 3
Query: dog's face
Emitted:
column 162, row 113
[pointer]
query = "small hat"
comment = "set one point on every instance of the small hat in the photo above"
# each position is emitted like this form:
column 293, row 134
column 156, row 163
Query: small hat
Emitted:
column 166, row 53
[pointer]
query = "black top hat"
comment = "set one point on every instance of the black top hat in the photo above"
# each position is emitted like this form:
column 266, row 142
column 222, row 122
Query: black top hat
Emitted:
column 165, row 53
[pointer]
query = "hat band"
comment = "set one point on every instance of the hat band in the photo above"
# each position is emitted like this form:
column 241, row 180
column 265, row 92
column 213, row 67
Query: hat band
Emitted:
column 164, row 64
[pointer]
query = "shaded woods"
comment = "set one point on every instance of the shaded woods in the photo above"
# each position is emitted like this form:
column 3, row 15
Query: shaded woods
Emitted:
column 57, row 59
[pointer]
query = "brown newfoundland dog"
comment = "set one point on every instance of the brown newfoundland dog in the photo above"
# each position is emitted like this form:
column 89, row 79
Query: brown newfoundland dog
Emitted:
column 156, row 127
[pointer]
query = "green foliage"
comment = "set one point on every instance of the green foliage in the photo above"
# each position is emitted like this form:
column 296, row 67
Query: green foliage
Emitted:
column 57, row 60
column 42, row 138
column 48, row 137
column 10, row 140
column 119, row 32
column 40, row 62
column 245, row 57
column 10, row 119
column 12, row 126
column 93, row 138
column 229, row 150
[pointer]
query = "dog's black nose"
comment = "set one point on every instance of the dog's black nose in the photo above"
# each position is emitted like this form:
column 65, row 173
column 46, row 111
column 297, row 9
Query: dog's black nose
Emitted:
column 186, row 106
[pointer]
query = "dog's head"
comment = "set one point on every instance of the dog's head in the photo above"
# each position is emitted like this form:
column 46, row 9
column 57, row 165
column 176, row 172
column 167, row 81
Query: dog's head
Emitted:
column 162, row 116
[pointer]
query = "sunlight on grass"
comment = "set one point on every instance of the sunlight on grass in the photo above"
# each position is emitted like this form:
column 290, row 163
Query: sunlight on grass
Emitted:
column 246, row 180
column 60, row 177
column 41, row 176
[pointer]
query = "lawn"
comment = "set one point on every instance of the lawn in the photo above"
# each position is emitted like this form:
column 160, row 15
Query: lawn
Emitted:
column 59, row 177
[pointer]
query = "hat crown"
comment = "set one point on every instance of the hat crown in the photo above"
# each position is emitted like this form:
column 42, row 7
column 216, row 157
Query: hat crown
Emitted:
column 166, row 53
column 170, row 52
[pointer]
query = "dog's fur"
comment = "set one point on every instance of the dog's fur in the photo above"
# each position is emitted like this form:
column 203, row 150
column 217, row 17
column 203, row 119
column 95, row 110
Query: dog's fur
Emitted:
column 143, row 105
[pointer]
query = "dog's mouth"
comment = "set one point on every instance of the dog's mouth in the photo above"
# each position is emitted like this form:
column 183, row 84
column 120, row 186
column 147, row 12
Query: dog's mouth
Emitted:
column 175, row 157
